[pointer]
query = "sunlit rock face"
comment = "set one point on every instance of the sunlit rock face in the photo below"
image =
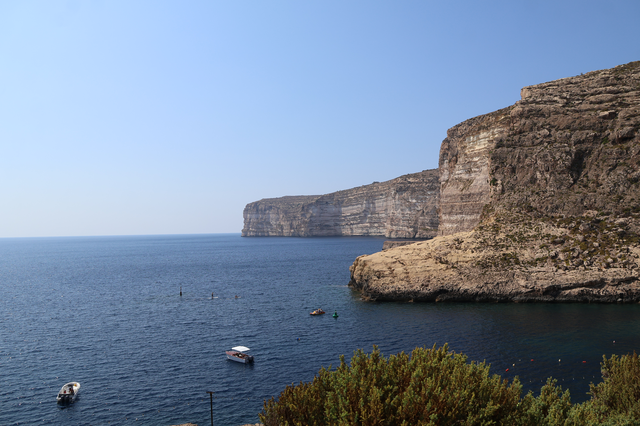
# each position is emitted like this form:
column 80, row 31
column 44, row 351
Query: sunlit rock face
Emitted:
column 405, row 207
column 464, row 171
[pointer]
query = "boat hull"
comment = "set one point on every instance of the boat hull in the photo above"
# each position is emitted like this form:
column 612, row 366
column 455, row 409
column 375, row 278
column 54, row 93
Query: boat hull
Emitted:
column 239, row 357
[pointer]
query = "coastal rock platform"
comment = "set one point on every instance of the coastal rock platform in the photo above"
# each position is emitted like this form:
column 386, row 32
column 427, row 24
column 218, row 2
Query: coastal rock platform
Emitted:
column 470, row 267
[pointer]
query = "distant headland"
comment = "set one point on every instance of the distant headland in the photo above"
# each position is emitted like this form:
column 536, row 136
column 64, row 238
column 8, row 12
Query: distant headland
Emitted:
column 539, row 201
column 405, row 207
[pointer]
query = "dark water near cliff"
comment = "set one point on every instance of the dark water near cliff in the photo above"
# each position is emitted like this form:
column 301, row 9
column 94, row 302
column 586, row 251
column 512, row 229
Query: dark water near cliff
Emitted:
column 105, row 311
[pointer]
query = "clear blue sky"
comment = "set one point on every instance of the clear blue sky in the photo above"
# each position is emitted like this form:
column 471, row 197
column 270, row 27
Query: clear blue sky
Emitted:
column 168, row 117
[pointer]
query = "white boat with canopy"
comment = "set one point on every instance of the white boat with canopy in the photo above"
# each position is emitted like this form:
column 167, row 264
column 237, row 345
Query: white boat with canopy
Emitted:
column 239, row 354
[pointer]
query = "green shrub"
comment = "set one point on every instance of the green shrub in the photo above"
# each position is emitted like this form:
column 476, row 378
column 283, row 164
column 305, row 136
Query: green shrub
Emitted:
column 430, row 387
column 550, row 408
column 438, row 387
column 619, row 392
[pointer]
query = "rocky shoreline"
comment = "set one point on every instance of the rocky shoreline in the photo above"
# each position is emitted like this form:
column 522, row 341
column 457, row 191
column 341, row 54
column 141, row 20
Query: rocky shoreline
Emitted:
column 485, row 265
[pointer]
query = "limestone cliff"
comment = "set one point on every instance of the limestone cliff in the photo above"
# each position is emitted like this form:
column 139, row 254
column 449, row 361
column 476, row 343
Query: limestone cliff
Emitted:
column 405, row 207
column 464, row 170
column 539, row 201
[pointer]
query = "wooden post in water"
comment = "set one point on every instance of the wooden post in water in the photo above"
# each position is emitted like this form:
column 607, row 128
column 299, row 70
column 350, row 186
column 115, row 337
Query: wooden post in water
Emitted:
column 211, row 399
column 180, row 291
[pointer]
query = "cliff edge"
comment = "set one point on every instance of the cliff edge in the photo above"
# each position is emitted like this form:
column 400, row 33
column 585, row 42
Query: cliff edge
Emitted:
column 405, row 207
column 539, row 201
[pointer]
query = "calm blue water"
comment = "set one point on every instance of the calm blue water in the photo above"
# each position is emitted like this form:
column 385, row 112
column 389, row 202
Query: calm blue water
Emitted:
column 106, row 312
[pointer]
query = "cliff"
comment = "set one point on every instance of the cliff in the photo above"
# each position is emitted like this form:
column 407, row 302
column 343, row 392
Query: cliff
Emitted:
column 405, row 207
column 539, row 201
column 464, row 170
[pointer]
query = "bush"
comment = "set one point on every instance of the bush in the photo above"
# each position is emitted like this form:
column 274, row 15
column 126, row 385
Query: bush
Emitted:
column 430, row 387
column 616, row 400
column 438, row 387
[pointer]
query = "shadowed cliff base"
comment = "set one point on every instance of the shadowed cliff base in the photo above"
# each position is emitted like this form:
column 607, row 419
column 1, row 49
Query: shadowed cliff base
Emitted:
column 539, row 201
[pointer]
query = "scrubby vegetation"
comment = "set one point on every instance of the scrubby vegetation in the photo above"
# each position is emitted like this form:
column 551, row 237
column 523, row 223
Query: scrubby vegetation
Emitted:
column 593, row 241
column 438, row 387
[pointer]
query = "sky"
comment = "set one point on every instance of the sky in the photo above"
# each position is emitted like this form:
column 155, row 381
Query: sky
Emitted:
column 168, row 117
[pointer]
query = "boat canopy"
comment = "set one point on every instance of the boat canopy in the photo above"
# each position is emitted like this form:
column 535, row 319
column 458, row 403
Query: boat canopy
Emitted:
column 240, row 348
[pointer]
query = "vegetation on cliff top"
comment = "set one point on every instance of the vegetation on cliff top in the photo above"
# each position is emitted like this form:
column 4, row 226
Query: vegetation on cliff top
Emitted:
column 438, row 387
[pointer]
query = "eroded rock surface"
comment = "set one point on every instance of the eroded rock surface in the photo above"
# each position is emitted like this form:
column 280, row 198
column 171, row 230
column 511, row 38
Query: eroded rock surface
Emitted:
column 539, row 201
column 521, row 261
column 405, row 207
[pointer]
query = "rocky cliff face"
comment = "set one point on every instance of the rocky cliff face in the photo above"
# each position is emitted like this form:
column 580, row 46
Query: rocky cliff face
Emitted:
column 405, row 207
column 539, row 201
column 464, row 170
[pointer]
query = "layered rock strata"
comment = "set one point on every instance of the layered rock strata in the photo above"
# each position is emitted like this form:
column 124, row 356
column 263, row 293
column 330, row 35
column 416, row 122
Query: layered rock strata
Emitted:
column 405, row 207
column 539, row 201
column 464, row 170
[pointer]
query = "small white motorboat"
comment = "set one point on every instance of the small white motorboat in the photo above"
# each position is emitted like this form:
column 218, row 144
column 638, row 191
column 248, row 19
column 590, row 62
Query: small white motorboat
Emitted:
column 68, row 393
column 238, row 354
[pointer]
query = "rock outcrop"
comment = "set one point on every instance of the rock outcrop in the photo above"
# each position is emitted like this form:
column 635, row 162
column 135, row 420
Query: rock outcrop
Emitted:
column 405, row 207
column 539, row 201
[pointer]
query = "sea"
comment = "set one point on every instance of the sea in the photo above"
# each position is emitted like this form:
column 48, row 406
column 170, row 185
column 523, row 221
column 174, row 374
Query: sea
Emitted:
column 143, row 322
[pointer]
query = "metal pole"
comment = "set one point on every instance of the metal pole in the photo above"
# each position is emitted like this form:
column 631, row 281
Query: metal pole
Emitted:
column 211, row 399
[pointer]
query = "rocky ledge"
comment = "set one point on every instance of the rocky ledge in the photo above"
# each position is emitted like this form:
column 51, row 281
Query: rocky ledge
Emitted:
column 539, row 201
column 508, row 260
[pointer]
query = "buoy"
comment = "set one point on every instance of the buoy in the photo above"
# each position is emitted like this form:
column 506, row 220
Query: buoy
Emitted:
column 506, row 369
column 584, row 362
column 335, row 314
column 532, row 360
